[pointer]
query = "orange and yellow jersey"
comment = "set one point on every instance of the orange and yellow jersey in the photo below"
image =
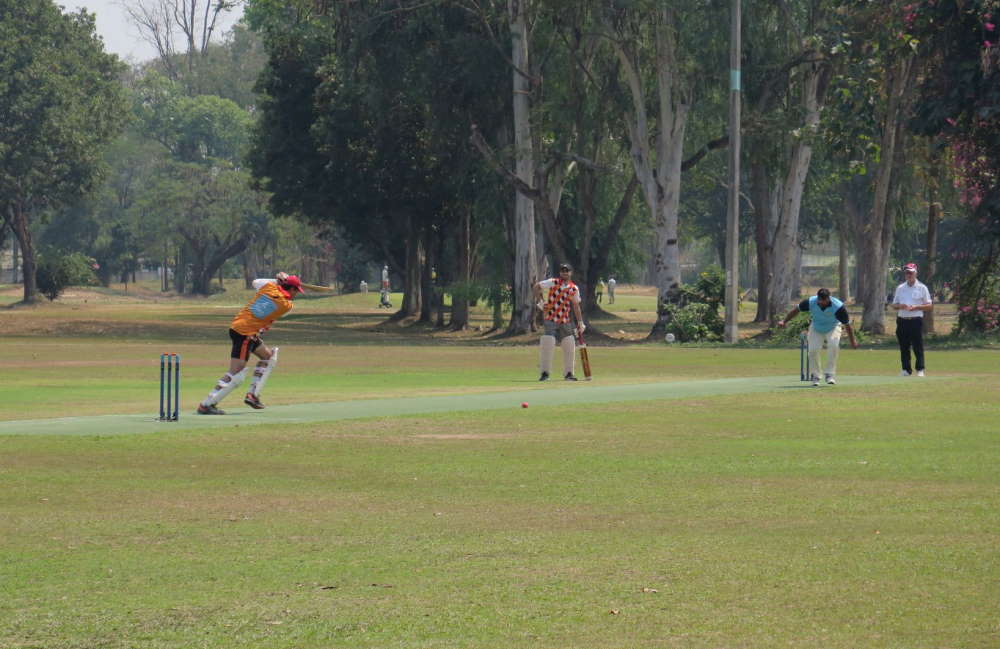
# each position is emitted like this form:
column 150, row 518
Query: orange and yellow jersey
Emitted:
column 270, row 303
column 562, row 294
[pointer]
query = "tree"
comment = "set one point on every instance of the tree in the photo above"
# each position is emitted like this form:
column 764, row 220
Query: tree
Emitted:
column 958, row 103
column 62, row 103
column 665, row 52
column 360, row 127
column 582, row 186
column 873, row 99
column 181, row 31
column 790, row 52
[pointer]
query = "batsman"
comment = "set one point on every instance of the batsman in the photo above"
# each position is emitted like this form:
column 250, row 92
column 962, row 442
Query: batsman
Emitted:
column 272, row 300
column 563, row 302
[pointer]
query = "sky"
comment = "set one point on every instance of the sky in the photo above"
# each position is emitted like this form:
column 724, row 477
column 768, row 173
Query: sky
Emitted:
column 120, row 35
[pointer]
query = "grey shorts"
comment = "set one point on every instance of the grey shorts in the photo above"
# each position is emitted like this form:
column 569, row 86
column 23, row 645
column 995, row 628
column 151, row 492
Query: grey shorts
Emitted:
column 560, row 331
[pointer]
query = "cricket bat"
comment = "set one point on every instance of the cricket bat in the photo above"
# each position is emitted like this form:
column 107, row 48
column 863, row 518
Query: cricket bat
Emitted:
column 584, row 357
column 314, row 287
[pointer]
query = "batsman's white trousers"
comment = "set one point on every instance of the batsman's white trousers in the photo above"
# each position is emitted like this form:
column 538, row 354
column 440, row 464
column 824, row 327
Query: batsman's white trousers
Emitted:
column 832, row 340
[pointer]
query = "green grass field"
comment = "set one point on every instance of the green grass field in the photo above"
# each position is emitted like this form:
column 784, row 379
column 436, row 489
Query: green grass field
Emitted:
column 741, row 509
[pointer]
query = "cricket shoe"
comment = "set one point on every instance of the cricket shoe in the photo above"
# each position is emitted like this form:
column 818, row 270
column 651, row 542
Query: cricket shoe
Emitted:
column 569, row 377
column 544, row 376
column 815, row 381
column 831, row 380
column 904, row 373
column 920, row 373
column 253, row 401
column 209, row 410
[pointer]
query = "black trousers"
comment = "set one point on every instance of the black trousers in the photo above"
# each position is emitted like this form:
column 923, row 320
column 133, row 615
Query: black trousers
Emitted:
column 910, row 333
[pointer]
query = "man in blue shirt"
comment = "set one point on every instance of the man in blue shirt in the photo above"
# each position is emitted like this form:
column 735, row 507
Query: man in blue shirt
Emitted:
column 828, row 314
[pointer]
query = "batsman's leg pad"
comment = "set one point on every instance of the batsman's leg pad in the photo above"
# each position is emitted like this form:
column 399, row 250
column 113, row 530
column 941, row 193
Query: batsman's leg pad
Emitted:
column 568, row 345
column 546, row 350
column 226, row 384
column 262, row 371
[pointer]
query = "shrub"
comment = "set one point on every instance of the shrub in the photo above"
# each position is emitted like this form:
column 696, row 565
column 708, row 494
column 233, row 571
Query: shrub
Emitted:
column 983, row 316
column 55, row 272
column 689, row 323
column 696, row 316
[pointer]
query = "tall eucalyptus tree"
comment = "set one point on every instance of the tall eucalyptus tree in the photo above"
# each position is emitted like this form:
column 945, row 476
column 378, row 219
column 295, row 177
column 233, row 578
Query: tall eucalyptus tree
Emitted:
column 670, row 55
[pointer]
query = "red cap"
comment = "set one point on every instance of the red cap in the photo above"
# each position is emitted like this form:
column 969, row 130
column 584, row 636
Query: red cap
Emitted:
column 910, row 267
column 293, row 281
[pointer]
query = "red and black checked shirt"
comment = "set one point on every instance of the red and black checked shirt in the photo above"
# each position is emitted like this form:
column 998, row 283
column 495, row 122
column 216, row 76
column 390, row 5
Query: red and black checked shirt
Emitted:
column 560, row 304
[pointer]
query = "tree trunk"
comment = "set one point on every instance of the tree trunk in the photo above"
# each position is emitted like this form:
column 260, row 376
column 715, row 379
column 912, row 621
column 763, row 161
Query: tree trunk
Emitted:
column 933, row 217
column 843, row 289
column 411, row 276
column 764, row 210
column 208, row 265
column 876, row 234
column 22, row 231
column 525, row 260
column 659, row 171
column 463, row 245
column 180, row 269
column 787, row 253
column 426, row 283
column 16, row 263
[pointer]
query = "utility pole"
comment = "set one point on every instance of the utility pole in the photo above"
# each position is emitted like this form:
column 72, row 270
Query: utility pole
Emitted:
column 733, row 214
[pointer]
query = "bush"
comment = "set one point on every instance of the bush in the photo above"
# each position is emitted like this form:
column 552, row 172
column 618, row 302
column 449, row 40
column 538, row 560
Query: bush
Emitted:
column 696, row 317
column 689, row 323
column 55, row 272
column 983, row 316
column 792, row 330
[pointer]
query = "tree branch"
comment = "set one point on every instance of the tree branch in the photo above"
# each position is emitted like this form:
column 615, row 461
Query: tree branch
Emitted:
column 717, row 143
column 490, row 156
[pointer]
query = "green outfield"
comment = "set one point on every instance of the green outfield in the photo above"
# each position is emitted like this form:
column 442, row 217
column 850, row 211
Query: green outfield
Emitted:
column 396, row 494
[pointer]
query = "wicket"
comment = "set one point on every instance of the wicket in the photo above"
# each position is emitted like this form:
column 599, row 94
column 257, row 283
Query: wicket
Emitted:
column 170, row 378
column 804, row 370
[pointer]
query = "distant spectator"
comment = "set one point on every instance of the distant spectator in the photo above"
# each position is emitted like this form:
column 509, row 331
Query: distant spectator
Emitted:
column 600, row 290
column 364, row 287
column 611, row 290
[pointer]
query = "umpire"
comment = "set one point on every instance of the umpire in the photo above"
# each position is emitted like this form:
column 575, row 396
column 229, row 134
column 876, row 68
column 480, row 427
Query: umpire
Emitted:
column 910, row 301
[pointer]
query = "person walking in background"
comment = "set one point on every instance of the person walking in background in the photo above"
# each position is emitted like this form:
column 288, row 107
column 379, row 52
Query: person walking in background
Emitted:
column 600, row 290
column 611, row 290
column 364, row 287
column 563, row 302
column 910, row 301
column 272, row 300
column 385, row 278
column 827, row 315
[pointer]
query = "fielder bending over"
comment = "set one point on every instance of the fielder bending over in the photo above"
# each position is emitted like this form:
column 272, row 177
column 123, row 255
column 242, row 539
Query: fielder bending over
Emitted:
column 273, row 300
column 563, row 299
column 828, row 314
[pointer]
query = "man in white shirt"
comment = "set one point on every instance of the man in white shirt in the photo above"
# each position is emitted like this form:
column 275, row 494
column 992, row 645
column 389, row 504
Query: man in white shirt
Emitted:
column 910, row 301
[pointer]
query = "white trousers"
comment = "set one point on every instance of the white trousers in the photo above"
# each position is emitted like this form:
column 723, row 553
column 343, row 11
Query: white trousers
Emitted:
column 816, row 341
column 547, row 349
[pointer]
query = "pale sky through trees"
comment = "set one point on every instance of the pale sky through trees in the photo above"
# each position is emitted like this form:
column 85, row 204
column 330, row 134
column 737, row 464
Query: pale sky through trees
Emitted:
column 120, row 36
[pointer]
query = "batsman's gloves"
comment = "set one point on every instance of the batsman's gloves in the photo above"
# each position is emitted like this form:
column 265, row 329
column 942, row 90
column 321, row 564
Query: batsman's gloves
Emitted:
column 541, row 305
column 581, row 328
